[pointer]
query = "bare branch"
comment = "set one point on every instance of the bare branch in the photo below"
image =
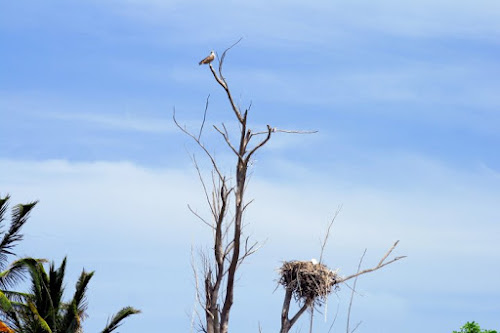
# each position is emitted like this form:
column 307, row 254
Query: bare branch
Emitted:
column 262, row 143
column 223, row 84
column 205, row 191
column 247, row 204
column 200, row 144
column 325, row 240
column 197, row 292
column 276, row 130
column 311, row 320
column 352, row 292
column 204, row 118
column 200, row 218
column 249, row 250
column 380, row 264
column 388, row 253
column 221, row 62
column 226, row 138
column 299, row 313
column 229, row 248
column 334, row 318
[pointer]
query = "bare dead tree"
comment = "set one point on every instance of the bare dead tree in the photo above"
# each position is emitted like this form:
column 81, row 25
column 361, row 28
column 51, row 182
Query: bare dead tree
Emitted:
column 230, row 246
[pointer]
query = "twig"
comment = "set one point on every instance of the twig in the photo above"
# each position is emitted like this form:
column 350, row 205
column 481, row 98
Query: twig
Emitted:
column 202, row 181
column 204, row 117
column 200, row 144
column 263, row 142
column 276, row 130
column 356, row 327
column 199, row 217
column 352, row 293
column 380, row 264
column 226, row 138
column 328, row 233
column 334, row 318
column 311, row 320
column 197, row 292
column 224, row 55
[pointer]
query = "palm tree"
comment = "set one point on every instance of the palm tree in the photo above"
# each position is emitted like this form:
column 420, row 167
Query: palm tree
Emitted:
column 12, row 236
column 42, row 309
column 9, row 240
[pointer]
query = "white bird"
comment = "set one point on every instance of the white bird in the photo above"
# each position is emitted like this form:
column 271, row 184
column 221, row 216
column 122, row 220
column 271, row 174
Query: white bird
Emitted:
column 208, row 59
column 314, row 261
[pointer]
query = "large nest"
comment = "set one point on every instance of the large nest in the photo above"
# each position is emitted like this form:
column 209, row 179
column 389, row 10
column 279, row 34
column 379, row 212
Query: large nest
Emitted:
column 309, row 282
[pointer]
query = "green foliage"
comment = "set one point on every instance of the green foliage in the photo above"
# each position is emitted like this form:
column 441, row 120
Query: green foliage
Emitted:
column 115, row 321
column 473, row 327
column 10, row 237
column 42, row 309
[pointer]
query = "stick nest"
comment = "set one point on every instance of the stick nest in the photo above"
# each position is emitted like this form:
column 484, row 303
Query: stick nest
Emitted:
column 310, row 283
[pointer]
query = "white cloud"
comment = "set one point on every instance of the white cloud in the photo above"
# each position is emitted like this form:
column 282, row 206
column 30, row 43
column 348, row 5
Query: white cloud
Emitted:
column 103, row 214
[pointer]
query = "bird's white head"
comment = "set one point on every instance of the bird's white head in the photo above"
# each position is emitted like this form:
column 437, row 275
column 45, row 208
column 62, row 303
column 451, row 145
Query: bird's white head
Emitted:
column 314, row 261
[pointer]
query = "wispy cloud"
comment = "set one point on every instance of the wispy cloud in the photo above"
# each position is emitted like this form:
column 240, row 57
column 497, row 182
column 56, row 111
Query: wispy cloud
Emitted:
column 111, row 115
column 285, row 20
column 127, row 121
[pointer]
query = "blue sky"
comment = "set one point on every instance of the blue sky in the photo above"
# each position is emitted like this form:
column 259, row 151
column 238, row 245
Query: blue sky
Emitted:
column 405, row 96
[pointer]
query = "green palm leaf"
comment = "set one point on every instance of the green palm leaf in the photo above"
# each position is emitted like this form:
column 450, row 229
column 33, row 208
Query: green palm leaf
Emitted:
column 16, row 271
column 77, row 306
column 20, row 214
column 115, row 322
column 38, row 318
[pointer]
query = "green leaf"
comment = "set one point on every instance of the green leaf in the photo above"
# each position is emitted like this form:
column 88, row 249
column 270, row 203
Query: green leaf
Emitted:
column 5, row 303
column 43, row 324
column 115, row 322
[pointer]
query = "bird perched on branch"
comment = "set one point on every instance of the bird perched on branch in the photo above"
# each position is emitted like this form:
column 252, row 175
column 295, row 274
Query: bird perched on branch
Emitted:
column 208, row 59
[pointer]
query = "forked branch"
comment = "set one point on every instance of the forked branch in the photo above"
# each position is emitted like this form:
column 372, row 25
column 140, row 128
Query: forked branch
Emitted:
column 381, row 264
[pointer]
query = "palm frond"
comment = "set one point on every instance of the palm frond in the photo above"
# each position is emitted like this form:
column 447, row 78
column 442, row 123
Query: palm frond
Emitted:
column 17, row 296
column 115, row 322
column 76, row 308
column 71, row 320
column 20, row 214
column 81, row 289
column 8, row 310
column 5, row 303
column 56, row 289
column 16, row 271
column 3, row 207
column 38, row 318
column 4, row 203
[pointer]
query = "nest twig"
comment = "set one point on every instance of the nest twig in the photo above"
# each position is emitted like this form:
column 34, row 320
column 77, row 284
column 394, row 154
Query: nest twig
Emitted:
column 310, row 283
